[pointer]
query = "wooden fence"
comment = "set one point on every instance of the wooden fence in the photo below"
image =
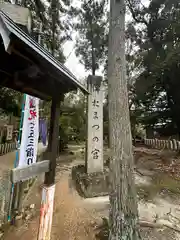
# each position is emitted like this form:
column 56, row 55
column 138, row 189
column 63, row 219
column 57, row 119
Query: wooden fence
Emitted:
column 5, row 186
column 173, row 144
column 7, row 147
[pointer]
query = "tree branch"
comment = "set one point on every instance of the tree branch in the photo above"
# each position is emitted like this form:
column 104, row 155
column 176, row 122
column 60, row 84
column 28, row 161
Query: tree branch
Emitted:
column 130, row 6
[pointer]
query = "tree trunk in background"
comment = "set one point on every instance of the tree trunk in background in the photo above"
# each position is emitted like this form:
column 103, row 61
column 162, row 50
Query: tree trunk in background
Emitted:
column 93, row 67
column 123, row 210
column 54, row 19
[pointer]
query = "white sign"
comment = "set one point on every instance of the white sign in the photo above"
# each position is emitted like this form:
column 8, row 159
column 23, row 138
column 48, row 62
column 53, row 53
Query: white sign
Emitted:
column 95, row 129
column 9, row 132
column 30, row 132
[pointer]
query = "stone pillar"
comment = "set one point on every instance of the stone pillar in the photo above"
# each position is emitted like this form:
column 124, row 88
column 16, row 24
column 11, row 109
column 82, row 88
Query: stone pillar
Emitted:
column 94, row 156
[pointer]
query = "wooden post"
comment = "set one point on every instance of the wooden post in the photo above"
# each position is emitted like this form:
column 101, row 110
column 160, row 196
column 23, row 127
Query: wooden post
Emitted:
column 20, row 197
column 53, row 138
column 178, row 146
column 49, row 182
column 16, row 195
column 46, row 212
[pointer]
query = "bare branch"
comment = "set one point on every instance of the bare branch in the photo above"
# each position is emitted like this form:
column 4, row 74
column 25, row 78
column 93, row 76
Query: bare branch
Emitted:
column 137, row 20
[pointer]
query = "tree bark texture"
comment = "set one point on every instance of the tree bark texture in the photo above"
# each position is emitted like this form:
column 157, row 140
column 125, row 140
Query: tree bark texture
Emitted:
column 123, row 202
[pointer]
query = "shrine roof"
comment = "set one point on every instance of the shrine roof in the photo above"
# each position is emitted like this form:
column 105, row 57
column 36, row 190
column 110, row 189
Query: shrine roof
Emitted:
column 27, row 67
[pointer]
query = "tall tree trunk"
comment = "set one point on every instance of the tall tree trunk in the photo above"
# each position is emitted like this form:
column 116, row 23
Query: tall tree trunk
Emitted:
column 54, row 18
column 93, row 62
column 93, row 67
column 123, row 210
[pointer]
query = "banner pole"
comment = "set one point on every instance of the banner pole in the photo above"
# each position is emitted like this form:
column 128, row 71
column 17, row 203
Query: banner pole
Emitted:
column 17, row 154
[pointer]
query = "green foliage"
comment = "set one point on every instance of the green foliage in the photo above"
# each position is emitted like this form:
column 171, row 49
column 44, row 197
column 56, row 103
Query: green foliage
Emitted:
column 73, row 117
column 53, row 17
column 58, row 27
column 10, row 101
column 55, row 31
column 37, row 8
column 155, row 31
column 91, row 26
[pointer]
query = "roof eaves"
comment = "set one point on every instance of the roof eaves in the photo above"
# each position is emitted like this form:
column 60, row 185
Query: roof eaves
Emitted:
column 13, row 28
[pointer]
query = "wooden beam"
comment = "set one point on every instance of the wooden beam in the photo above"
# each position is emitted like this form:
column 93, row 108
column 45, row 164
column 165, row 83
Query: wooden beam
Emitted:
column 36, row 93
column 36, row 84
column 24, row 88
column 22, row 174
column 31, row 72
column 8, row 74
column 21, row 55
column 53, row 139
column 65, row 86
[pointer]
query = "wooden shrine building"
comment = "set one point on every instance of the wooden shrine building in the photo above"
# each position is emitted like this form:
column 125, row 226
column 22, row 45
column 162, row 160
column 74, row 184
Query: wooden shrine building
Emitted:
column 27, row 67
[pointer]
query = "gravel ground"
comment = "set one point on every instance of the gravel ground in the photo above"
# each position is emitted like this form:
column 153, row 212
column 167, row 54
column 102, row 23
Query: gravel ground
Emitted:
column 71, row 221
column 75, row 218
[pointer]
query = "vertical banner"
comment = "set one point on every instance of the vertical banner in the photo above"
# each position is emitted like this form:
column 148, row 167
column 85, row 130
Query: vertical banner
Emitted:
column 30, row 132
column 46, row 212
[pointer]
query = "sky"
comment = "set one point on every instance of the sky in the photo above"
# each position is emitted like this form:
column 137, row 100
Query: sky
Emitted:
column 72, row 62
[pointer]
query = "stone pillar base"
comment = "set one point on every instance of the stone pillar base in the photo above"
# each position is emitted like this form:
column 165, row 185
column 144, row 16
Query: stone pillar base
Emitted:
column 92, row 184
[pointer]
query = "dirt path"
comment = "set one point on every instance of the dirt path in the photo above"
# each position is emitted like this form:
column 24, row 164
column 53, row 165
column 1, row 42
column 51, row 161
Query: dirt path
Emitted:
column 74, row 218
column 70, row 220
column 7, row 160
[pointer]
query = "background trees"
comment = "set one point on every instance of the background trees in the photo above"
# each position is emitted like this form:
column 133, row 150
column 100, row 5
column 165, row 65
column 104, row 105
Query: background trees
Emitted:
column 91, row 27
column 51, row 20
column 58, row 27
column 73, row 117
column 10, row 101
column 154, row 31
column 152, row 52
